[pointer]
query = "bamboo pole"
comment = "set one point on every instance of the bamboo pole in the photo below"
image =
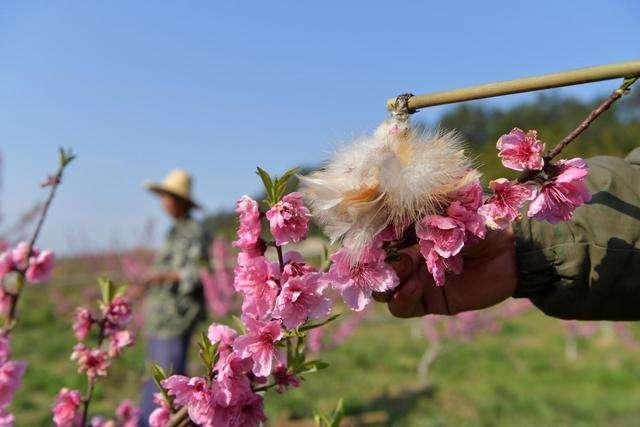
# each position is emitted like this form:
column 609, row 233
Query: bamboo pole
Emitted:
column 527, row 84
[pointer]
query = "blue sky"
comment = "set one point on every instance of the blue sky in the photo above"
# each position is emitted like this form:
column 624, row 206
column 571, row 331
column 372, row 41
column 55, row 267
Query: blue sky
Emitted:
column 137, row 88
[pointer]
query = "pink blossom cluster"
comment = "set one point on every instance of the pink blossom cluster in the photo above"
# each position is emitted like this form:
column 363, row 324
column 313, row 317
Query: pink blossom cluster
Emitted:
column 282, row 300
column 279, row 297
column 11, row 372
column 357, row 281
column 113, row 337
column 556, row 190
column 218, row 283
column 289, row 219
column 228, row 396
column 556, row 193
column 442, row 237
column 36, row 265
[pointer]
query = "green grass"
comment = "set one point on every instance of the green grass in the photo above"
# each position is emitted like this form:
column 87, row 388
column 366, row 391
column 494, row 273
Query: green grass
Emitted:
column 516, row 377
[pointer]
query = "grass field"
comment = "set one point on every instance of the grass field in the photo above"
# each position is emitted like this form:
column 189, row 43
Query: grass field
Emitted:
column 519, row 376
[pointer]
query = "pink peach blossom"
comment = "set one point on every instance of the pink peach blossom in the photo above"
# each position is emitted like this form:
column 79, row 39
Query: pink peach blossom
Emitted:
column 437, row 264
column 249, row 228
column 65, row 409
column 20, row 255
column 5, row 348
column 301, row 299
column 193, row 392
column 390, row 233
column 563, row 193
column 503, row 206
column 232, row 379
column 6, row 263
column 118, row 340
column 289, row 219
column 249, row 414
column 100, row 421
column 464, row 207
column 294, row 265
column 160, row 416
column 82, row 323
column 471, row 219
column 6, row 419
column 259, row 344
column 128, row 414
column 11, row 373
column 178, row 386
column 40, row 267
column 118, row 312
column 223, row 336
column 284, row 378
column 446, row 234
column 469, row 196
column 6, row 300
column 92, row 361
column 519, row 150
column 254, row 278
column 357, row 281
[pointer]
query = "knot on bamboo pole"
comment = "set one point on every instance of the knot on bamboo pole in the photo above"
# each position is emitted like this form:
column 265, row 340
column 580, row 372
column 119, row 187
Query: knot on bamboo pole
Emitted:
column 401, row 108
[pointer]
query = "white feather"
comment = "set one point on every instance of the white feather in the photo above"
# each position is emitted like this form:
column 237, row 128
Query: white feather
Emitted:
column 394, row 176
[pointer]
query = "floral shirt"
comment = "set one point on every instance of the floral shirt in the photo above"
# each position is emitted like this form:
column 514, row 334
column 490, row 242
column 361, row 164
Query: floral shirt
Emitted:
column 588, row 268
column 173, row 309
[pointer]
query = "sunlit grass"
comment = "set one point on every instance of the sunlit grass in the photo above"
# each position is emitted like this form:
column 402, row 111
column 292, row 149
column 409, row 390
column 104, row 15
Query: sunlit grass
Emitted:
column 516, row 377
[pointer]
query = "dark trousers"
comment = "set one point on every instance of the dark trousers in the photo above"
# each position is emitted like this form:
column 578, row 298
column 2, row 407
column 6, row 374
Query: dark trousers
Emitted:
column 166, row 352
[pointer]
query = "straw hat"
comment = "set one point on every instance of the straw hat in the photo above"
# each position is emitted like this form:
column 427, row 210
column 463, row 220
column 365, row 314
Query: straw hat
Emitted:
column 177, row 183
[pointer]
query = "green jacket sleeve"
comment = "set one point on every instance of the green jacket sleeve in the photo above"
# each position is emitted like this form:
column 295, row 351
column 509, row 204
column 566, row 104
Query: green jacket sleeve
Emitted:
column 588, row 268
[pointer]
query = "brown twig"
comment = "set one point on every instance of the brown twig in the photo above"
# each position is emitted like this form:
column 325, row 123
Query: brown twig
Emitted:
column 178, row 418
column 410, row 239
column 55, row 180
column 86, row 399
column 528, row 175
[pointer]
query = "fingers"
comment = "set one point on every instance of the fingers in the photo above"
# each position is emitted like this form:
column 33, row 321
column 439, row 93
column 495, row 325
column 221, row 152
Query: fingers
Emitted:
column 407, row 300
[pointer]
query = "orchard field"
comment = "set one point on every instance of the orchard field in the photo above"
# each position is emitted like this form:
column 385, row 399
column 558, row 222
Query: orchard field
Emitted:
column 513, row 366
column 520, row 374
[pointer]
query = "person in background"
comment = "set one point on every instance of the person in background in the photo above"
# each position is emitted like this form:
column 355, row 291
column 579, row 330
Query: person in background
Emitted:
column 584, row 269
column 175, row 301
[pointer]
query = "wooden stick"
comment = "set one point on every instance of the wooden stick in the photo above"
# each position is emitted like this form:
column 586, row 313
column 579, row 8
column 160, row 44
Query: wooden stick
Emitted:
column 528, row 84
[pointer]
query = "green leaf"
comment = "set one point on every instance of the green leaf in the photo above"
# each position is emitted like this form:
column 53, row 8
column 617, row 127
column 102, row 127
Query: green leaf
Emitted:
column 120, row 291
column 159, row 374
column 310, row 326
column 106, row 289
column 239, row 325
column 315, row 364
column 311, row 366
column 338, row 414
column 282, row 182
column 205, row 351
column 322, row 420
column 268, row 184
column 65, row 157
column 288, row 174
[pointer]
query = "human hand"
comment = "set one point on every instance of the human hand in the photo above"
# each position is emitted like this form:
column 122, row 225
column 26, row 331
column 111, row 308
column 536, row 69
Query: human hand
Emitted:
column 489, row 277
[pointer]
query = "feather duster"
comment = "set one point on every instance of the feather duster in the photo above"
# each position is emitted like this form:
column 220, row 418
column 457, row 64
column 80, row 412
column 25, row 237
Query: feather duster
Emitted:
column 391, row 178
